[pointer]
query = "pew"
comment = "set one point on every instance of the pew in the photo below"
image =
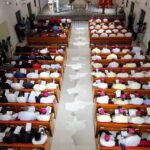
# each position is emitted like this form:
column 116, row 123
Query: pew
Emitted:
column 129, row 91
column 119, row 128
column 18, row 146
column 110, row 40
column 125, row 69
column 48, row 41
column 56, row 92
column 38, row 106
column 47, row 124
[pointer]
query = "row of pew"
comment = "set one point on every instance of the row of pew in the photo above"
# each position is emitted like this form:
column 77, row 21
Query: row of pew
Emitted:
column 50, row 31
column 121, row 97
column 30, row 89
column 108, row 31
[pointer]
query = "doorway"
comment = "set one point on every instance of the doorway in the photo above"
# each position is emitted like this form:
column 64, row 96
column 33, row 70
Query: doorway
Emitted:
column 29, row 9
column 132, row 7
column 18, row 16
column 142, row 16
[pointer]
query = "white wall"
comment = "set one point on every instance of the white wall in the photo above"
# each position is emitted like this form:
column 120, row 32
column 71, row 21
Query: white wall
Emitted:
column 4, row 33
column 7, row 14
column 139, row 4
column 43, row 3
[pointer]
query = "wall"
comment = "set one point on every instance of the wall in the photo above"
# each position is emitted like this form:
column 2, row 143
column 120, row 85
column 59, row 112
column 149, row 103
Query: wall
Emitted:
column 4, row 33
column 43, row 3
column 7, row 14
column 139, row 4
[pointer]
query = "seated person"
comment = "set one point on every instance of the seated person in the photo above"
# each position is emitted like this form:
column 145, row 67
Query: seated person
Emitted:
column 36, row 65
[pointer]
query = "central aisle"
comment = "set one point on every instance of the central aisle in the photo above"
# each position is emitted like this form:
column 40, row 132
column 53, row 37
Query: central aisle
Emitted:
column 74, row 126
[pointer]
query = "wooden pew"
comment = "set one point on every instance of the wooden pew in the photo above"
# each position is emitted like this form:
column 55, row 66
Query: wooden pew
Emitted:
column 48, row 41
column 16, row 107
column 41, row 61
column 119, row 55
column 113, row 95
column 56, row 92
column 124, row 80
column 59, row 70
column 129, row 91
column 110, row 110
column 123, row 61
column 127, row 148
column 115, row 106
column 124, row 69
column 110, row 20
column 110, row 40
column 121, row 47
column 36, row 50
column 118, row 128
column 37, row 80
column 45, row 146
column 38, row 106
column 47, row 124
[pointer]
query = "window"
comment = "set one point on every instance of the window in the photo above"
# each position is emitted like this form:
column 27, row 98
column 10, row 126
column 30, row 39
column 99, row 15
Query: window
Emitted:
column 142, row 16
column 132, row 7
column 29, row 9
column 18, row 16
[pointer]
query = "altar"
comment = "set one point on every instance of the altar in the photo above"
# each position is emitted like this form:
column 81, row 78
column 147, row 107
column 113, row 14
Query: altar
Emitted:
column 80, row 4
column 53, row 6
column 78, row 9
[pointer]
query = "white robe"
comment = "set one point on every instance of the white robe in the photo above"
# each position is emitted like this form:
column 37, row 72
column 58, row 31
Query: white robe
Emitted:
column 130, row 141
column 109, row 143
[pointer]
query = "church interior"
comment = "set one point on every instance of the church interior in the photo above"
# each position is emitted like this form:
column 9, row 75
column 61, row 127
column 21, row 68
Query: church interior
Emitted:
column 75, row 74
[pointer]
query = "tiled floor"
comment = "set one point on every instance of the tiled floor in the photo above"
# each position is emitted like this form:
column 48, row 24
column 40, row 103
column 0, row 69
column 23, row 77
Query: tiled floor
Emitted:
column 74, row 126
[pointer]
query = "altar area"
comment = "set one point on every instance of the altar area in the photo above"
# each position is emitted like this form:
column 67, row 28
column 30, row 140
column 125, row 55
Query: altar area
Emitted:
column 80, row 4
column 85, row 4
column 80, row 10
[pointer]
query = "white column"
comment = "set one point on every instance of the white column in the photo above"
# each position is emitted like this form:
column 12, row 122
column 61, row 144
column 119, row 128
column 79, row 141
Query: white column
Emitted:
column 57, row 5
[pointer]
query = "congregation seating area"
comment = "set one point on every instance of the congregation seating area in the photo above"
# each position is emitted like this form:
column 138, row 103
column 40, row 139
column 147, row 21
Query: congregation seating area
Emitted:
column 50, row 31
column 121, row 91
column 30, row 92
column 108, row 31
column 74, row 75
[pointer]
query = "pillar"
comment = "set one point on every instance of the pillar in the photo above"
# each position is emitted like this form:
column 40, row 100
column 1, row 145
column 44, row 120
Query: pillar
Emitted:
column 57, row 5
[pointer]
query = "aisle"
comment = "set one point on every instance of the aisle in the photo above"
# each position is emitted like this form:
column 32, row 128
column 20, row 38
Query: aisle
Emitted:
column 74, row 126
